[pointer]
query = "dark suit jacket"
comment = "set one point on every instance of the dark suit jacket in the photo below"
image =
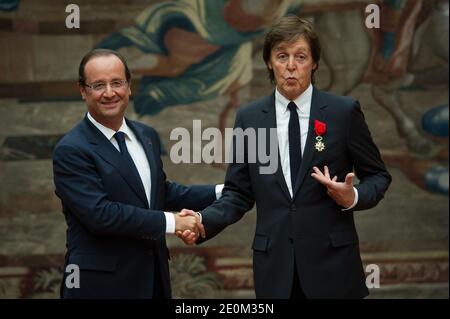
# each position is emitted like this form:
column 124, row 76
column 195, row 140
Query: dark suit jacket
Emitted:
column 309, row 227
column 113, row 236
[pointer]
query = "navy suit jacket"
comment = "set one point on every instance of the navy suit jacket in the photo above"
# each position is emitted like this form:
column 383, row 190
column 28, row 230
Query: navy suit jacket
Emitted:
column 309, row 227
column 113, row 236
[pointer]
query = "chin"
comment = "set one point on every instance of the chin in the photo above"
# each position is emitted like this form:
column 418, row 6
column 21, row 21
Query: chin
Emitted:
column 292, row 94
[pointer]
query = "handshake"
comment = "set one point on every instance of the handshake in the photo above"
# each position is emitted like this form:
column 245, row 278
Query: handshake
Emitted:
column 188, row 226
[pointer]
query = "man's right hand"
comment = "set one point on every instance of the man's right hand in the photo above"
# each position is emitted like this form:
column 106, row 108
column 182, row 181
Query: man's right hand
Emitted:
column 190, row 236
column 185, row 222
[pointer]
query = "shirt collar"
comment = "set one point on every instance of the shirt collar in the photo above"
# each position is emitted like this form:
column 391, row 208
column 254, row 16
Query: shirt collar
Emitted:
column 109, row 133
column 303, row 99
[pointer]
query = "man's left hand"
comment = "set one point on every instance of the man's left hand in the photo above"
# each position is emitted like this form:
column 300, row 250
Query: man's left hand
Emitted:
column 342, row 192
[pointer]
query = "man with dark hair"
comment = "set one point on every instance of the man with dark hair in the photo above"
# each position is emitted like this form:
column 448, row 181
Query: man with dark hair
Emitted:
column 109, row 177
column 98, row 53
column 306, row 244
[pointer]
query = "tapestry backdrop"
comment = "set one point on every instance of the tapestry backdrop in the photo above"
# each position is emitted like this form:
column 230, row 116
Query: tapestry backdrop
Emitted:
column 201, row 60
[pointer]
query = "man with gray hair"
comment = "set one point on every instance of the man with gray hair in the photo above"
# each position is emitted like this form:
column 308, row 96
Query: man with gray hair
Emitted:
column 306, row 244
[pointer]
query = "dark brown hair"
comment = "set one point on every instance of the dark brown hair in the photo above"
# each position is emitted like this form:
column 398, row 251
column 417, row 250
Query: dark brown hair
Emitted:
column 290, row 28
column 96, row 53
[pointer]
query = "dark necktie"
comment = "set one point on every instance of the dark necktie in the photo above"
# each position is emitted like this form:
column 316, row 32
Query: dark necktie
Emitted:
column 120, row 138
column 295, row 147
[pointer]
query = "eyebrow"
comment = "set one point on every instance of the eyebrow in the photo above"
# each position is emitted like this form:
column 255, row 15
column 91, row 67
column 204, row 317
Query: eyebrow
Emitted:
column 282, row 48
column 115, row 79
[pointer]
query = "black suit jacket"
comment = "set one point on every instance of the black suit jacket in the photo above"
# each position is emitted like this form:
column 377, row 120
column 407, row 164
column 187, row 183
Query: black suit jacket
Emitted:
column 113, row 236
column 309, row 227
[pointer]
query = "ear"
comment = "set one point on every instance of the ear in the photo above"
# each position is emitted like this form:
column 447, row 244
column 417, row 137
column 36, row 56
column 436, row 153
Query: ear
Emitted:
column 82, row 91
column 315, row 66
column 269, row 65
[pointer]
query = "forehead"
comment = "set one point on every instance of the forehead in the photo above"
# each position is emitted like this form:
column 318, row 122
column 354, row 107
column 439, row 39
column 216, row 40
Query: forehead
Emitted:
column 296, row 44
column 104, row 68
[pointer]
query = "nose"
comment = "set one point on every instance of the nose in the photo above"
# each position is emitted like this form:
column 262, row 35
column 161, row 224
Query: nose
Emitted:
column 291, row 64
column 109, row 92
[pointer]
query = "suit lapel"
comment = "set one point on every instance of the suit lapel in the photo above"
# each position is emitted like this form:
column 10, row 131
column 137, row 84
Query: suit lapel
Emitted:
column 270, row 121
column 109, row 153
column 147, row 145
column 317, row 112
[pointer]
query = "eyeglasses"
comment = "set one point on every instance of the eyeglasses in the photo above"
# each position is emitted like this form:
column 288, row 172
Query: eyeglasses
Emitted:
column 101, row 86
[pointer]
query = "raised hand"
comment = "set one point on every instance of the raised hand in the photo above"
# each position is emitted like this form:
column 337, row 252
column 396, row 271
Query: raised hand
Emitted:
column 342, row 192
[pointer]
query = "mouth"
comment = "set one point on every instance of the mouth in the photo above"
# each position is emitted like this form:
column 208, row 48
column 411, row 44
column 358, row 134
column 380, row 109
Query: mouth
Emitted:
column 110, row 104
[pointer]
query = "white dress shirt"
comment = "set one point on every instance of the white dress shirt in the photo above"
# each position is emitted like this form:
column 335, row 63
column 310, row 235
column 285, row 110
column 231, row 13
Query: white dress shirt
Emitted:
column 282, row 114
column 137, row 153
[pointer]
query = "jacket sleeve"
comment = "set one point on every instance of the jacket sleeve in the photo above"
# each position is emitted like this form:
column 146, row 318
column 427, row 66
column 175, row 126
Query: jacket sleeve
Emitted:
column 82, row 193
column 178, row 196
column 368, row 165
column 195, row 197
column 237, row 195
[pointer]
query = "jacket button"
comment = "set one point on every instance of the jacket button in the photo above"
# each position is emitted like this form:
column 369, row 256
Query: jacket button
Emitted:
column 293, row 208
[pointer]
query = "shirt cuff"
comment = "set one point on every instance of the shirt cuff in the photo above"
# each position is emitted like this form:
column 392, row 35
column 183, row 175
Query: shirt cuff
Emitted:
column 354, row 202
column 219, row 188
column 170, row 223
